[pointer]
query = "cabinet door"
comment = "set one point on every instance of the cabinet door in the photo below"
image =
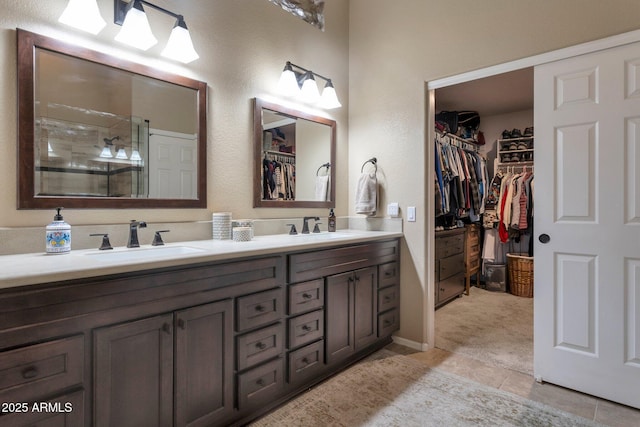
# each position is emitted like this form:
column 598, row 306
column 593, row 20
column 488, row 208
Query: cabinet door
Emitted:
column 339, row 331
column 204, row 364
column 134, row 373
column 365, row 304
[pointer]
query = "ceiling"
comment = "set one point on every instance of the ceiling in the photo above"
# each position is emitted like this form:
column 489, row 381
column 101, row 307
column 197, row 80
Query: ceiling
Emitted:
column 499, row 94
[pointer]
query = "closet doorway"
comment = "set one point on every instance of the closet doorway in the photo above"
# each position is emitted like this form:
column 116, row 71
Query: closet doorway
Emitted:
column 489, row 323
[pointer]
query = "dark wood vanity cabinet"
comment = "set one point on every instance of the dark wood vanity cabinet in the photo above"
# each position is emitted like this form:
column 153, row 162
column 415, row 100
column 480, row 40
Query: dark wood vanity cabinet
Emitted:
column 198, row 345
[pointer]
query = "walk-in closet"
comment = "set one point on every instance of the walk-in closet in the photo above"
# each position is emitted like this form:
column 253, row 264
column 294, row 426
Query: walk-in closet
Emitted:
column 484, row 186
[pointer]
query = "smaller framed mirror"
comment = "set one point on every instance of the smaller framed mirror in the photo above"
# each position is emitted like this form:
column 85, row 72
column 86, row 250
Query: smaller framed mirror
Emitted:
column 295, row 156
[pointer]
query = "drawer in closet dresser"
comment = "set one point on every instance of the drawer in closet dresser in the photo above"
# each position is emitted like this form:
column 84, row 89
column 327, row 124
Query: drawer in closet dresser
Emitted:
column 38, row 370
column 306, row 328
column 449, row 245
column 258, row 346
column 450, row 266
column 259, row 309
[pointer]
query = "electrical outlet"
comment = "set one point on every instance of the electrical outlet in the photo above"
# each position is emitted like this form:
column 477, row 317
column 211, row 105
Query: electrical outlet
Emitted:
column 411, row 214
column 393, row 210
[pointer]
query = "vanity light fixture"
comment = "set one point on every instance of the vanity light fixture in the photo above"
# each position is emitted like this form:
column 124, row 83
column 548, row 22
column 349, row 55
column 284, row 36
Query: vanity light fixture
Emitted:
column 136, row 31
column 301, row 83
column 121, row 154
column 106, row 153
column 83, row 15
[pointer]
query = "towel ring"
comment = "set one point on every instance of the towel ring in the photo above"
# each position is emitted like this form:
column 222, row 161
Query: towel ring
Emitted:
column 373, row 161
column 326, row 165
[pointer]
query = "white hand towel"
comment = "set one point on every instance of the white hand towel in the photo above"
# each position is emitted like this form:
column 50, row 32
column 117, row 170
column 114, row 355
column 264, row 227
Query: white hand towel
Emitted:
column 322, row 187
column 367, row 194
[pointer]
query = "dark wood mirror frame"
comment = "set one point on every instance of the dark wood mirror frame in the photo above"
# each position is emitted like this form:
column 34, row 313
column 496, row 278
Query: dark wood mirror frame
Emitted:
column 258, row 202
column 27, row 44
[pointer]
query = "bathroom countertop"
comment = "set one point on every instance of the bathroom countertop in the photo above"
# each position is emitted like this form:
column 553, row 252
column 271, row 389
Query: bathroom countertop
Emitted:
column 38, row 268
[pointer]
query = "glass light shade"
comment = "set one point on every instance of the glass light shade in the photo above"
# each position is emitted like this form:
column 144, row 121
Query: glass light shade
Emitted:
column 135, row 29
column 329, row 98
column 106, row 153
column 135, row 156
column 121, row 154
column 180, row 46
column 83, row 15
column 309, row 91
column 288, row 83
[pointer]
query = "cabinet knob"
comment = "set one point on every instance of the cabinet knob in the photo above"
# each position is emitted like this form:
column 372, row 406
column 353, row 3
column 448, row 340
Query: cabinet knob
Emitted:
column 166, row 328
column 30, row 372
column 260, row 382
column 181, row 323
column 387, row 322
column 259, row 308
column 387, row 298
column 389, row 273
column 306, row 328
column 305, row 361
column 261, row 345
column 307, row 296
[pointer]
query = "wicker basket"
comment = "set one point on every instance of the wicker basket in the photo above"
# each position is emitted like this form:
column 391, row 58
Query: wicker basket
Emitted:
column 520, row 267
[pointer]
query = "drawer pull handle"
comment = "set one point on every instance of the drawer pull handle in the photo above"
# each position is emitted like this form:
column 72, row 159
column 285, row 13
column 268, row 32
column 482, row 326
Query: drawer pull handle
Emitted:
column 307, row 296
column 260, row 308
column 181, row 323
column 389, row 273
column 305, row 361
column 387, row 323
column 387, row 298
column 166, row 328
column 261, row 345
column 260, row 382
column 306, row 328
column 30, row 372
column 357, row 278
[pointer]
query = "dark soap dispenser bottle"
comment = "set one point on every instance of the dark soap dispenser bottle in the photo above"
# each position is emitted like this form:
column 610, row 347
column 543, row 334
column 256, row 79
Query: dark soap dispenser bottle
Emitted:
column 332, row 221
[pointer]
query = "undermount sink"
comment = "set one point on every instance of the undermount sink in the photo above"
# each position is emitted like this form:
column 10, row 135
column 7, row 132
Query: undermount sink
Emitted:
column 323, row 235
column 144, row 253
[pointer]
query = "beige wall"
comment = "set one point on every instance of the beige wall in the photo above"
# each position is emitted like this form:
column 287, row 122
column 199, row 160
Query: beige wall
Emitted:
column 243, row 46
column 395, row 47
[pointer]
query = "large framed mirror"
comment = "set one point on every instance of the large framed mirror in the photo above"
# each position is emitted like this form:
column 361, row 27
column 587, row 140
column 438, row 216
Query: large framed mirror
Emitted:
column 295, row 156
column 96, row 131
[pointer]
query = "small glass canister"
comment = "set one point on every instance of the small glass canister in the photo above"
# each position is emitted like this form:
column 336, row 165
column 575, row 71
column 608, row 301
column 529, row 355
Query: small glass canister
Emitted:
column 244, row 223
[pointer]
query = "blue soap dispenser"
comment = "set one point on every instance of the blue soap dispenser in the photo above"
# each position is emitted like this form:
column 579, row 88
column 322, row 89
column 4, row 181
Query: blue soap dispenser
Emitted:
column 58, row 235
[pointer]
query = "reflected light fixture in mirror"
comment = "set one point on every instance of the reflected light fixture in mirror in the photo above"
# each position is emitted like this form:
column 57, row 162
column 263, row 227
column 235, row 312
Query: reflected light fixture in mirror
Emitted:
column 136, row 31
column 296, row 81
column 83, row 15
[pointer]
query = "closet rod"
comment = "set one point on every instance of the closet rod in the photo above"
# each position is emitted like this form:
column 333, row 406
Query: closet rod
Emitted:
column 457, row 141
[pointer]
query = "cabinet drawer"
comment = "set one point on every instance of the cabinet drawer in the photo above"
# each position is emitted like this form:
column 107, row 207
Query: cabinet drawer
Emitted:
column 388, row 298
column 451, row 266
column 306, row 296
column 258, row 346
column 388, row 274
column 69, row 413
column 327, row 262
column 42, row 369
column 451, row 287
column 306, row 362
column 259, row 309
column 261, row 385
column 388, row 322
column 306, row 328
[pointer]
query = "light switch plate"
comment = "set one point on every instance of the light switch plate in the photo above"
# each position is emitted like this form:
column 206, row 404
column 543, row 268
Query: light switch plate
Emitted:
column 411, row 214
column 393, row 210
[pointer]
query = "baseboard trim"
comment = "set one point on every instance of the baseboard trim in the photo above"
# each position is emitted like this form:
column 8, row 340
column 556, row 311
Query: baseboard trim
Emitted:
column 411, row 344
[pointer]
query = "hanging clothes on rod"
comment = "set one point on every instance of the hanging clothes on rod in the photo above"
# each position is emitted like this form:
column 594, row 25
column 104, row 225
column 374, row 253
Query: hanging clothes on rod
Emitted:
column 278, row 176
column 460, row 178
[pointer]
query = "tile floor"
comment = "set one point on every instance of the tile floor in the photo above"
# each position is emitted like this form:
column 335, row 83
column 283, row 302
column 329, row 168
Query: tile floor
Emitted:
column 593, row 408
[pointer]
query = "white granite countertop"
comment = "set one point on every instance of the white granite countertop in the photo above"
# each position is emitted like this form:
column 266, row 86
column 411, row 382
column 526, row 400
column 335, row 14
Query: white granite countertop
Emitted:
column 37, row 268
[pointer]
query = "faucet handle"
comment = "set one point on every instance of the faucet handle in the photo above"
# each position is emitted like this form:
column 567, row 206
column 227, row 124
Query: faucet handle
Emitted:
column 157, row 238
column 293, row 229
column 316, row 228
column 105, row 241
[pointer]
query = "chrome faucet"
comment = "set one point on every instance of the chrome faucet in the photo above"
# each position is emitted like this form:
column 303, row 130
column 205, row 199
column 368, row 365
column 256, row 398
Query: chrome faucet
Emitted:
column 305, row 224
column 133, row 233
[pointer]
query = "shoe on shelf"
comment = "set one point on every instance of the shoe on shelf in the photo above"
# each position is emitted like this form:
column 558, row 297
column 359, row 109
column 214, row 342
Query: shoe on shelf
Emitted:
column 506, row 134
column 515, row 133
column 513, row 146
column 528, row 131
column 522, row 145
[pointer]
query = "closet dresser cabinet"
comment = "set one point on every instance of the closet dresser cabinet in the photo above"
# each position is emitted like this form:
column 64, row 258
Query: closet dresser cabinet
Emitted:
column 199, row 344
column 449, row 265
